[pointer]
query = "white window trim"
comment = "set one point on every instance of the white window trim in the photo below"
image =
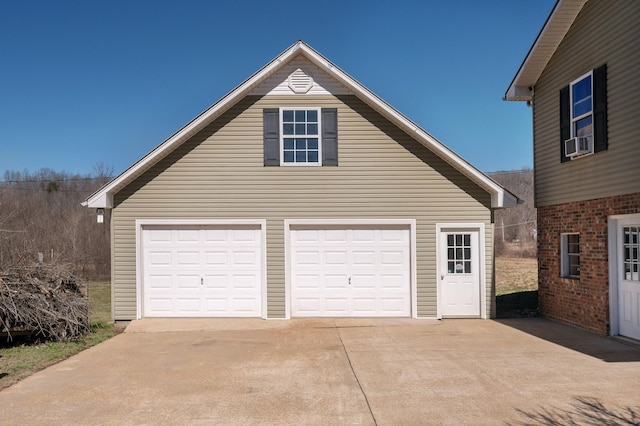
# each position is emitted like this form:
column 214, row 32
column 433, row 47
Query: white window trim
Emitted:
column 590, row 113
column 282, row 136
column 564, row 255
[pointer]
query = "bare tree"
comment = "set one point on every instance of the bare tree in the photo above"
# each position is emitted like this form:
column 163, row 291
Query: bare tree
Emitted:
column 516, row 227
column 41, row 218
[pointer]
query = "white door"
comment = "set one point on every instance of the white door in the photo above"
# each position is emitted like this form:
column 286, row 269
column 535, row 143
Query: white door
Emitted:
column 202, row 271
column 350, row 272
column 459, row 273
column 629, row 280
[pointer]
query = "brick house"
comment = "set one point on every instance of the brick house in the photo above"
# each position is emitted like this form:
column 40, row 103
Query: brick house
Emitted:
column 581, row 79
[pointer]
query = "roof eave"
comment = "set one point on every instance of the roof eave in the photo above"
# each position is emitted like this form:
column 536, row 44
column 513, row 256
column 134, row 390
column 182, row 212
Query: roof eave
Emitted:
column 103, row 198
column 556, row 26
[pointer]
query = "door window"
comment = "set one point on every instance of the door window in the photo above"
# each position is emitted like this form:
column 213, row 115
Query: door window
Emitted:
column 459, row 253
column 630, row 249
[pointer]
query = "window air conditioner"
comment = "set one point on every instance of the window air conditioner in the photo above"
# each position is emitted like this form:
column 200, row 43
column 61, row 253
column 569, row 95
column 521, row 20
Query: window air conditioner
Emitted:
column 578, row 146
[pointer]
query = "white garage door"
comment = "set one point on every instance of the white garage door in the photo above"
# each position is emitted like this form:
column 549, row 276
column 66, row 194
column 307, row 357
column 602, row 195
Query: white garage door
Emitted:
column 202, row 271
column 354, row 272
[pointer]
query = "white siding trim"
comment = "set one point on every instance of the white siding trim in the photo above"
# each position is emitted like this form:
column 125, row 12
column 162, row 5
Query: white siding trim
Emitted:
column 141, row 223
column 410, row 223
column 500, row 197
column 479, row 227
column 614, row 222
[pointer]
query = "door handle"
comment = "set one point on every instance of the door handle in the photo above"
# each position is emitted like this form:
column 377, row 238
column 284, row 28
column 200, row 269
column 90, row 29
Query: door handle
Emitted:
column 201, row 281
column 349, row 280
column 442, row 276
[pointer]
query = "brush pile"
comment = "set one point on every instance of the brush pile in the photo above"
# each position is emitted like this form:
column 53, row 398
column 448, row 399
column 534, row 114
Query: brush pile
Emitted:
column 44, row 301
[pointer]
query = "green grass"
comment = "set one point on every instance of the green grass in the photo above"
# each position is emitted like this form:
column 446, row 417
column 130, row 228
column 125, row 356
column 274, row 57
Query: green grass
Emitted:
column 516, row 286
column 20, row 361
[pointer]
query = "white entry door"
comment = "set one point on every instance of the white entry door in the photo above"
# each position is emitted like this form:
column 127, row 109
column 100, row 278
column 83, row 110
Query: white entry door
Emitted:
column 202, row 271
column 459, row 273
column 350, row 272
column 629, row 280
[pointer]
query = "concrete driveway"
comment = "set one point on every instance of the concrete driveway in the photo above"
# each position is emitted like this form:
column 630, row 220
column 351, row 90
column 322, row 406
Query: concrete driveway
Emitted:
column 385, row 372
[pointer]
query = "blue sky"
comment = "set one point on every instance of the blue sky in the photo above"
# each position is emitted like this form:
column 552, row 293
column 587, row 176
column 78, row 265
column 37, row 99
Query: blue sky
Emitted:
column 87, row 82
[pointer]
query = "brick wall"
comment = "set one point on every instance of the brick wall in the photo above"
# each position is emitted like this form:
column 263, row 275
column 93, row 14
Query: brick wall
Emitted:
column 582, row 302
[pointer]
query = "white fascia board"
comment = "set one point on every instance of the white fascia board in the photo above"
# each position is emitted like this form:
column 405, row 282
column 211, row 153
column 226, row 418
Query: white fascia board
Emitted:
column 104, row 196
column 499, row 196
column 556, row 26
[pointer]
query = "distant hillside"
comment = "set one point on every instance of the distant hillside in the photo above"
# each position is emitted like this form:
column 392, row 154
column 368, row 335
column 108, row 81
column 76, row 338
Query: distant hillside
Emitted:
column 516, row 227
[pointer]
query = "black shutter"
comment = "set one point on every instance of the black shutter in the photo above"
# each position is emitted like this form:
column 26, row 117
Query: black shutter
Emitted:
column 329, row 137
column 600, row 142
column 271, row 128
column 565, row 121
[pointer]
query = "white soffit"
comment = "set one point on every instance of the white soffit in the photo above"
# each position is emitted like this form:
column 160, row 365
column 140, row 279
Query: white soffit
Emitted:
column 551, row 35
column 103, row 198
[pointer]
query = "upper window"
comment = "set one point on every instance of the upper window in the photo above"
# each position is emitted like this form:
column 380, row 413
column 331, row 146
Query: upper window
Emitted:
column 582, row 106
column 300, row 140
column 300, row 136
column 583, row 115
column 570, row 248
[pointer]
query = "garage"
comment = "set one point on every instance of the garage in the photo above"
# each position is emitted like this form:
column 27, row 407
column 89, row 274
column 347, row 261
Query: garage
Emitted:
column 202, row 270
column 350, row 270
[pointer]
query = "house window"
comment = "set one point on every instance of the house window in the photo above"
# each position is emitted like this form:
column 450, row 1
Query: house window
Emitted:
column 300, row 136
column 570, row 248
column 631, row 248
column 300, row 140
column 583, row 113
column 582, row 106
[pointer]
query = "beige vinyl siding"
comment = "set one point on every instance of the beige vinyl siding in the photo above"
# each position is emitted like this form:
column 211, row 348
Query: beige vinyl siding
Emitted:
column 604, row 32
column 219, row 174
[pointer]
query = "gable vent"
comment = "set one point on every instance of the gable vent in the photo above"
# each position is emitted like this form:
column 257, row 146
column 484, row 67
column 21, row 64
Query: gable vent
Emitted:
column 300, row 82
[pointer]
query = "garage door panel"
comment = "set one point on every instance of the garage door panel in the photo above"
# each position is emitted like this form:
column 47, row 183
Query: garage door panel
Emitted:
column 365, row 306
column 187, row 258
column 308, row 305
column 244, row 257
column 364, row 258
column 245, row 281
column 243, row 236
column 335, row 236
column 364, row 236
column 187, row 281
column 216, row 258
column 336, row 306
column 333, row 281
column 393, row 305
column 216, row 281
column 310, row 258
column 160, row 258
column 358, row 271
column 187, row 236
column 335, row 257
column 394, row 236
column 160, row 281
column 363, row 281
column 201, row 271
column 394, row 258
column 307, row 281
column 160, row 305
column 188, row 305
column 392, row 282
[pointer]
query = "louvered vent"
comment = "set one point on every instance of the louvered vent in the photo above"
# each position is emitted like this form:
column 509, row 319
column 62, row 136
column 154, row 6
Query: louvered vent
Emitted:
column 300, row 82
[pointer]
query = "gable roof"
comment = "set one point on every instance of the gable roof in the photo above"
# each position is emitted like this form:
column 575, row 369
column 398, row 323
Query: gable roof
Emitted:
column 560, row 19
column 103, row 198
